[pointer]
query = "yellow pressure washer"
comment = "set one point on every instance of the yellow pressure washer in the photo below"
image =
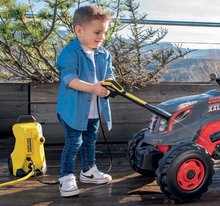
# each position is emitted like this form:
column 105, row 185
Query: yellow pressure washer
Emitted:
column 28, row 156
column 116, row 89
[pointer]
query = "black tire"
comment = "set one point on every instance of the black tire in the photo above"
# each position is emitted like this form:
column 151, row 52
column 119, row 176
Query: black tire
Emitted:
column 10, row 166
column 132, row 145
column 185, row 173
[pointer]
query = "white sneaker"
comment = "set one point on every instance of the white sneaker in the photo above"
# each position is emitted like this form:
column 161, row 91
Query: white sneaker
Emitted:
column 93, row 175
column 68, row 186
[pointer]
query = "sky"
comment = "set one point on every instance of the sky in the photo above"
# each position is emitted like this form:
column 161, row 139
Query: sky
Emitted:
column 187, row 10
column 196, row 10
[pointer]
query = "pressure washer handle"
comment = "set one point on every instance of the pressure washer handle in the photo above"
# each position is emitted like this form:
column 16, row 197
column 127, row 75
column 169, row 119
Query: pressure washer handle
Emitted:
column 117, row 89
column 158, row 111
column 114, row 88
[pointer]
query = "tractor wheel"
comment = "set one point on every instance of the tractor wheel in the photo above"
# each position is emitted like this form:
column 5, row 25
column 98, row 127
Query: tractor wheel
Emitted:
column 132, row 145
column 10, row 167
column 185, row 173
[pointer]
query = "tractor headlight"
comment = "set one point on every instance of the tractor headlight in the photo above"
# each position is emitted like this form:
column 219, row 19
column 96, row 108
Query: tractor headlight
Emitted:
column 162, row 128
column 163, row 124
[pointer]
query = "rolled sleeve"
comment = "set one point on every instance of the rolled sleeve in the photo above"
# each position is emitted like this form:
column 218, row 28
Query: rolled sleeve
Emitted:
column 67, row 66
column 66, row 75
column 68, row 78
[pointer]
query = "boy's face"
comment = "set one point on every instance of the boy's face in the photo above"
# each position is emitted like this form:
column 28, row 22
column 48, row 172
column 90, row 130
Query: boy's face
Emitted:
column 91, row 35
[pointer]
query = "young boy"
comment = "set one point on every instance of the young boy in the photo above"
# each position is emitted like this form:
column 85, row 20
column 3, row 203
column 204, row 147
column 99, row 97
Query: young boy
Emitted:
column 83, row 64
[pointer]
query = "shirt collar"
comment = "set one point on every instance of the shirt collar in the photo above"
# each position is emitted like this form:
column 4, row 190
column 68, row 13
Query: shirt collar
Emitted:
column 79, row 46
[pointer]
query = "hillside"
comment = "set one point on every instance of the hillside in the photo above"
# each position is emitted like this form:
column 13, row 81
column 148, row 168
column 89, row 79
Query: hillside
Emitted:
column 196, row 67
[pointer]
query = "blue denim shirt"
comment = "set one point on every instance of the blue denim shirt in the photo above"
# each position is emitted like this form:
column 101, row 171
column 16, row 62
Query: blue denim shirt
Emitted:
column 73, row 105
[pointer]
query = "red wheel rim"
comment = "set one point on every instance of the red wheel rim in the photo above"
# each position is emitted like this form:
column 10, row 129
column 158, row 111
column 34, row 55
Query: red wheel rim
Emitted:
column 190, row 174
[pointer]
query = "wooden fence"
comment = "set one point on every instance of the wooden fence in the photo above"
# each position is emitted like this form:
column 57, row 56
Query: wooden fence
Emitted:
column 39, row 100
column 14, row 101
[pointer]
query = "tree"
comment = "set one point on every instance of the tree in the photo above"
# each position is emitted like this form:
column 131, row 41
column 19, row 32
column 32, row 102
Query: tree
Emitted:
column 30, row 43
column 136, row 61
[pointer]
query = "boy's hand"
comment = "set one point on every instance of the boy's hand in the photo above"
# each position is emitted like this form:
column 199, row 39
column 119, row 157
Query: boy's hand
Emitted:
column 99, row 90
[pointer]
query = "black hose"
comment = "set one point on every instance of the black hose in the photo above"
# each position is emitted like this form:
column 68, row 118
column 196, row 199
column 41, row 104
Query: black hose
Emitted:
column 103, row 134
column 43, row 182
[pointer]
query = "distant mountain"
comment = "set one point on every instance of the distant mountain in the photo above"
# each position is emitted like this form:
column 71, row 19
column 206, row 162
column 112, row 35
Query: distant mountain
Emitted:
column 192, row 70
column 198, row 54
column 205, row 54
column 195, row 67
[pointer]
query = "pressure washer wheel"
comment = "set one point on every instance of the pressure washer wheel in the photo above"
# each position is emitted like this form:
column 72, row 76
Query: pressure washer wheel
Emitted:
column 133, row 144
column 185, row 173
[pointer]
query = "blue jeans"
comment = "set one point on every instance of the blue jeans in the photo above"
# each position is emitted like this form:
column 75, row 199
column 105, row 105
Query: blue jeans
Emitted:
column 75, row 141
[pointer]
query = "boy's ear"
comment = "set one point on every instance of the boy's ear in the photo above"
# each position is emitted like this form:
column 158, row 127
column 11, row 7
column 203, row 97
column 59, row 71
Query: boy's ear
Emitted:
column 78, row 30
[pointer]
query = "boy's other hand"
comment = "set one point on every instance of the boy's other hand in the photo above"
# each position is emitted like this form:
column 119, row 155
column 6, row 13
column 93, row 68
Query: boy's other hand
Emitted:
column 99, row 90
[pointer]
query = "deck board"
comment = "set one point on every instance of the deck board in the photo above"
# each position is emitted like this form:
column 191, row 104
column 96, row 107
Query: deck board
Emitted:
column 127, row 187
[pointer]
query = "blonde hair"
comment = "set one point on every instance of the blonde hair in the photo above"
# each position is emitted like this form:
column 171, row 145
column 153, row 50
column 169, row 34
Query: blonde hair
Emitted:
column 85, row 14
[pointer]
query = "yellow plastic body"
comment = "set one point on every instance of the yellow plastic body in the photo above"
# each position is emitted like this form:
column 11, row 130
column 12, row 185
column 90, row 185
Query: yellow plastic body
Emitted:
column 112, row 84
column 29, row 146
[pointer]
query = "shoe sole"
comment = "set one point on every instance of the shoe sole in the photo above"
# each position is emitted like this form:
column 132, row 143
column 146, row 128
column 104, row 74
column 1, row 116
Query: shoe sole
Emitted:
column 69, row 193
column 104, row 181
